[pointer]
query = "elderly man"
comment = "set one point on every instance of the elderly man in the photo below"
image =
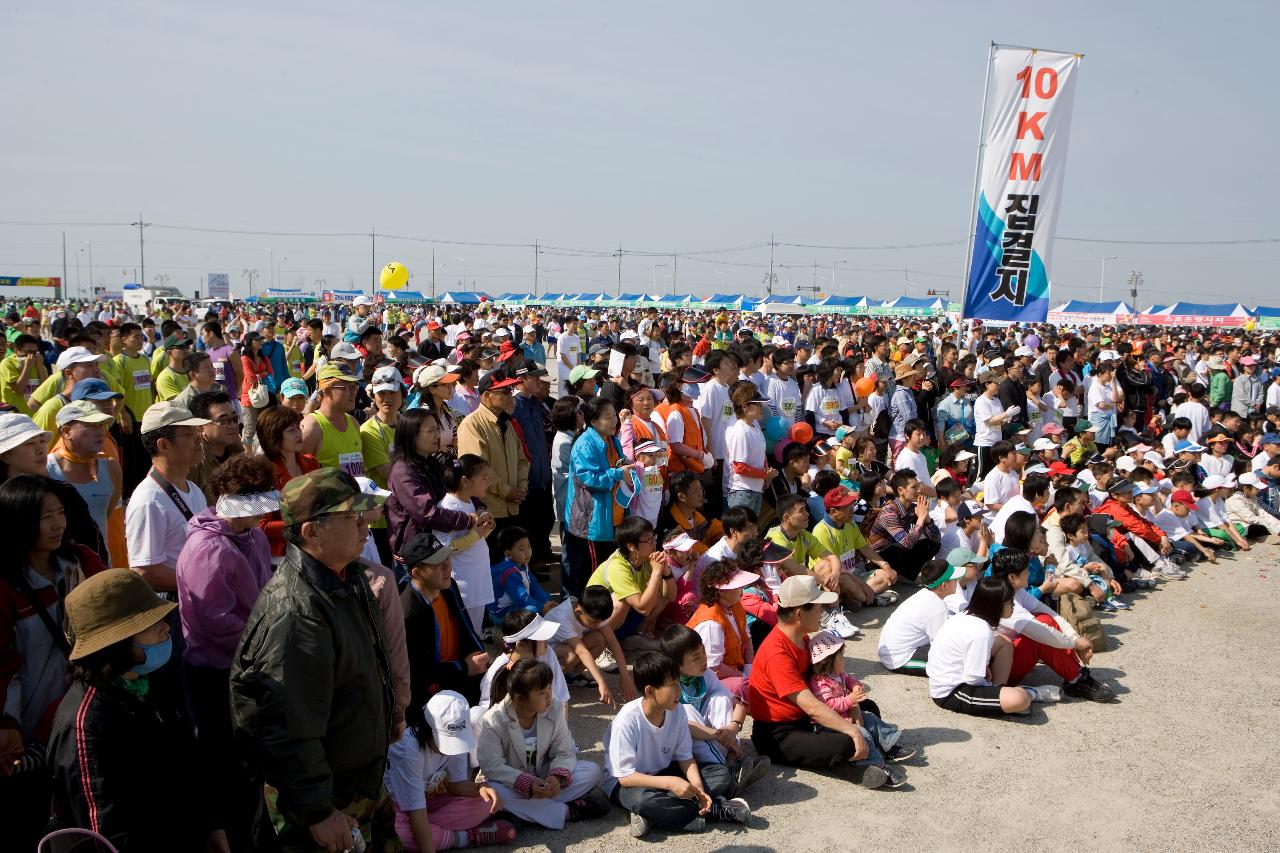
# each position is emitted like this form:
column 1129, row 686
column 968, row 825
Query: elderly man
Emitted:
column 311, row 683
column 73, row 365
column 489, row 432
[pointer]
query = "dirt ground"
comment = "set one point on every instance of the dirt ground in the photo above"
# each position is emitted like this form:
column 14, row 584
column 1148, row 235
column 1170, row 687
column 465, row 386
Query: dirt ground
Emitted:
column 1183, row 760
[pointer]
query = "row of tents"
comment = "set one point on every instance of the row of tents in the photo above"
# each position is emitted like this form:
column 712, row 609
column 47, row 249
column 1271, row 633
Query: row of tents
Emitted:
column 1078, row 312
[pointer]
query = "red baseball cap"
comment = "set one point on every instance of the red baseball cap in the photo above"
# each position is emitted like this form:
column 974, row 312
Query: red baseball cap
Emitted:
column 1059, row 467
column 433, row 326
column 1182, row 496
column 839, row 496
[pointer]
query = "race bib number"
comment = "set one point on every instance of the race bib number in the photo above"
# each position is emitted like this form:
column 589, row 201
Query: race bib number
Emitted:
column 830, row 406
column 727, row 411
column 789, row 409
column 849, row 562
column 296, row 368
column 652, row 479
column 220, row 371
column 32, row 385
column 141, row 380
column 352, row 463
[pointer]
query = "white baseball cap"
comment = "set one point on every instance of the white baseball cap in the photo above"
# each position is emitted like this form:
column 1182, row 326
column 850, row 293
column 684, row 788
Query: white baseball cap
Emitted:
column 17, row 428
column 385, row 378
column 1249, row 479
column 1044, row 444
column 369, row 487
column 344, row 350
column 799, row 590
column 450, row 719
column 83, row 411
column 362, row 299
column 1215, row 481
column 1126, row 463
column 77, row 355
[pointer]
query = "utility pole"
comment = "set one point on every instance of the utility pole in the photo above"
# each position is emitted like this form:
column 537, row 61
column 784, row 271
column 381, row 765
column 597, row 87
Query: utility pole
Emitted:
column 1135, row 281
column 619, row 269
column 675, row 272
column 373, row 260
column 57, row 291
column 535, row 269
column 814, row 286
column 771, row 279
column 142, row 257
column 433, row 273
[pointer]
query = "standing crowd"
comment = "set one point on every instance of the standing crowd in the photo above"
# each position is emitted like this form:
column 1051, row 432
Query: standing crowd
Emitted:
column 309, row 550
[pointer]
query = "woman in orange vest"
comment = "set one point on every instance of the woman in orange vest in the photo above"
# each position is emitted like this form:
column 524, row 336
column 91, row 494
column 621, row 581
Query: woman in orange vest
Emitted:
column 642, row 427
column 684, row 426
column 722, row 623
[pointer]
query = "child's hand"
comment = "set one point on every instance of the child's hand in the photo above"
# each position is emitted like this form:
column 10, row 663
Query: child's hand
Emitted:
column 626, row 687
column 858, row 693
column 491, row 797
column 1116, row 589
column 606, row 695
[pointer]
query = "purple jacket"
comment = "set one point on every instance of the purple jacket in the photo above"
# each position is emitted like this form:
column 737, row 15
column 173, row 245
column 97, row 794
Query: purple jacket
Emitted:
column 414, row 505
column 220, row 574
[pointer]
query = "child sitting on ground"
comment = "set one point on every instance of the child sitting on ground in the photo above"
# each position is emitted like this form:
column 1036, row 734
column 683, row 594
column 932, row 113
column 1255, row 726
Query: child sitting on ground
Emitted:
column 649, row 766
column 514, row 586
column 524, row 637
column 842, row 693
column 715, row 716
column 1082, row 571
column 528, row 755
column 583, row 636
column 1180, row 523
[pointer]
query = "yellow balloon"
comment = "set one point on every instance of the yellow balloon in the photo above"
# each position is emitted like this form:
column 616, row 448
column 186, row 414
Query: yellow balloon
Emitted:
column 395, row 275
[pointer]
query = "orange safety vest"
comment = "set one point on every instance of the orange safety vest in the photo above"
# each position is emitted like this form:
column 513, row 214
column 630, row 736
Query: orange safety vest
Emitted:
column 646, row 430
column 692, row 437
column 734, row 656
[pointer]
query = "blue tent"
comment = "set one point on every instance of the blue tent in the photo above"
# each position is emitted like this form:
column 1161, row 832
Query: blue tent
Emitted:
column 1201, row 309
column 462, row 297
column 1156, row 309
column 1266, row 311
column 405, row 296
column 675, row 299
column 789, row 299
column 633, row 298
column 934, row 302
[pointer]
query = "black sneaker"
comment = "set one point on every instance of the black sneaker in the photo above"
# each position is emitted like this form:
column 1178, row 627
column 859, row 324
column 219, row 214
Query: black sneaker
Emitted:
column 1085, row 687
column 874, row 777
column 900, row 753
column 591, row 806
column 735, row 810
column 896, row 778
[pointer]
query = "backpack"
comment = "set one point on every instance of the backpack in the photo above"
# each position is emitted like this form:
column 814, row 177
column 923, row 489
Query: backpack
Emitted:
column 1078, row 611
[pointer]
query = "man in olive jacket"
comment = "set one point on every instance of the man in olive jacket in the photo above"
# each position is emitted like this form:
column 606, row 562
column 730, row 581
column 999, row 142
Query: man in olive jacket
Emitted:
column 490, row 432
column 311, row 686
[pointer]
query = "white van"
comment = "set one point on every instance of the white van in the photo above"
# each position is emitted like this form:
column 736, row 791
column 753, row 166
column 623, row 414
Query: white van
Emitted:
column 141, row 300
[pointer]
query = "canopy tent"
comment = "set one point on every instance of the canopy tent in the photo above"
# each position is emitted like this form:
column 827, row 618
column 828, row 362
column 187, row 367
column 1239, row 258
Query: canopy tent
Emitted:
column 736, row 301
column 1196, row 314
column 672, row 299
column 1078, row 312
column 910, row 306
column 842, row 305
column 787, row 299
column 342, row 295
column 464, row 297
column 515, row 297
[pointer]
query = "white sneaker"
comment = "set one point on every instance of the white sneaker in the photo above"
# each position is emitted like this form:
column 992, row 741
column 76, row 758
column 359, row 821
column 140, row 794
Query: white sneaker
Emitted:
column 837, row 621
column 1047, row 693
column 606, row 662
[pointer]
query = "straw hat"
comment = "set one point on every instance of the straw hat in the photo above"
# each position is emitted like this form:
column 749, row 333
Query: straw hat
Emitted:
column 109, row 607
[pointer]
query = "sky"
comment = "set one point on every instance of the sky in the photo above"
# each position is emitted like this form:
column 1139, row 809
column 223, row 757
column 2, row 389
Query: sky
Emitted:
column 669, row 129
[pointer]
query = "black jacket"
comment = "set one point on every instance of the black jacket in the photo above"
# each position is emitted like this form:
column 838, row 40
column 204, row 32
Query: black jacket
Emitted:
column 311, row 691
column 428, row 675
column 127, row 768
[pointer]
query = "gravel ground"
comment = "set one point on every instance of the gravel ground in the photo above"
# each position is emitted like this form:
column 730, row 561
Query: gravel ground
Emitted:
column 1173, row 764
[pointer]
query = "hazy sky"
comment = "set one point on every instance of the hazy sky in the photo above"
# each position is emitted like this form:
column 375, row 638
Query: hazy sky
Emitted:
column 663, row 127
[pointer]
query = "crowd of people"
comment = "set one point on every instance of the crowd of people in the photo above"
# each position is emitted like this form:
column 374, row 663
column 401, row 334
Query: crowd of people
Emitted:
column 353, row 561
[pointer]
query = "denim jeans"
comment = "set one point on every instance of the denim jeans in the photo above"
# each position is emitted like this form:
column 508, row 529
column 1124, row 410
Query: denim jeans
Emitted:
column 743, row 497
column 882, row 735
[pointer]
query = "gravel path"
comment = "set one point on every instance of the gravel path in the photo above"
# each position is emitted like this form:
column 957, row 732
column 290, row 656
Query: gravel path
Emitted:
column 1179, row 762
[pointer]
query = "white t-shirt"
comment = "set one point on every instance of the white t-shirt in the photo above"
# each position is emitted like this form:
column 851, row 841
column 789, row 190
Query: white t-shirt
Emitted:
column 1212, row 512
column 910, row 460
column 826, row 406
column 155, row 530
column 635, row 745
column 1197, row 414
column 568, row 348
column 471, row 565
column 959, row 654
column 713, row 641
column 743, row 442
column 1017, row 503
column 985, row 408
column 1175, row 528
column 912, row 625
column 562, row 614
column 414, row 773
column 713, row 405
column 559, row 689
column 784, row 398
column 1220, row 465
column 999, row 486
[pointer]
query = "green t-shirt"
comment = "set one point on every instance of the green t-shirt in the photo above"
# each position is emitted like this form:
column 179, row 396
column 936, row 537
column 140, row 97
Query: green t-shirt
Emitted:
column 617, row 575
column 48, row 389
column 135, row 375
column 47, row 417
column 805, row 548
column 10, row 370
column 159, row 361
column 844, row 542
column 170, row 384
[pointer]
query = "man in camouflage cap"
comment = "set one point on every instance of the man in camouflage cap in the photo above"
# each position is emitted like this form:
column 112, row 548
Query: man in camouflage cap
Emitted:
column 317, row 623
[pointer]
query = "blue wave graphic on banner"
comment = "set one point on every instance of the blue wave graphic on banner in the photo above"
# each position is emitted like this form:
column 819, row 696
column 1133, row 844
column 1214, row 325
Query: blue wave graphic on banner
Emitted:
column 983, row 280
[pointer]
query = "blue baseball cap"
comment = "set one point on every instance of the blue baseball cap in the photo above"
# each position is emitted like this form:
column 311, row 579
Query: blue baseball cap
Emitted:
column 93, row 389
column 1270, row 438
column 294, row 387
column 1186, row 446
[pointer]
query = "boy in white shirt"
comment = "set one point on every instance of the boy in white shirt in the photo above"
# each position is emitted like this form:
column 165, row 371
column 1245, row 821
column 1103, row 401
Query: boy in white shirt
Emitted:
column 584, row 633
column 910, row 457
column 905, row 638
column 649, row 766
column 1001, row 483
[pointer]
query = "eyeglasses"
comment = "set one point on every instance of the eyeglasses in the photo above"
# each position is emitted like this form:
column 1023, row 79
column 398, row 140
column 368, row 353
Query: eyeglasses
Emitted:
column 227, row 420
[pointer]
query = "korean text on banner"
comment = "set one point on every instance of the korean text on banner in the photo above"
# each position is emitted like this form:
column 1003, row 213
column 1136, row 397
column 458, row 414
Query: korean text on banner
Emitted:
column 1028, row 122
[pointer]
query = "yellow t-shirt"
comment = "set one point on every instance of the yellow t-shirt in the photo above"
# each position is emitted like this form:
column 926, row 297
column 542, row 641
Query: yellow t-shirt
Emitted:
column 10, row 370
column 159, row 360
column 617, row 575
column 135, row 374
column 48, row 389
column 170, row 384
column 47, row 417
column 805, row 548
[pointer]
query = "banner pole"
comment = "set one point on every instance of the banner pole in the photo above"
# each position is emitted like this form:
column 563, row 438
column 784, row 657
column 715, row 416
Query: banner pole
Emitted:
column 977, row 179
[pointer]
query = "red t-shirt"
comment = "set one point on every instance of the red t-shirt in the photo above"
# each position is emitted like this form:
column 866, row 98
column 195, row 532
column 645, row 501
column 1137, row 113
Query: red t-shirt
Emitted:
column 779, row 670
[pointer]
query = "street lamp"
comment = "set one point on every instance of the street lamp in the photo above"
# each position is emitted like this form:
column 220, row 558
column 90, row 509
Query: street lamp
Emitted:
column 251, row 276
column 1102, row 280
column 655, row 278
column 717, row 272
column 833, row 275
column 90, row 245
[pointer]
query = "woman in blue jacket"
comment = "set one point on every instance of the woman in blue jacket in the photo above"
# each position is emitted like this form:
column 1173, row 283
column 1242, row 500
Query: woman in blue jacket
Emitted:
column 597, row 464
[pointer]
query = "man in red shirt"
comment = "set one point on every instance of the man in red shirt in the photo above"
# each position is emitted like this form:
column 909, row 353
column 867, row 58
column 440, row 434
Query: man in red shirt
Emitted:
column 781, row 704
column 1119, row 505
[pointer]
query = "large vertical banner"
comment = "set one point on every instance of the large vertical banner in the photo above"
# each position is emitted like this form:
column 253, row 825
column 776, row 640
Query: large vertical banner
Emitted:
column 1028, row 121
column 219, row 286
